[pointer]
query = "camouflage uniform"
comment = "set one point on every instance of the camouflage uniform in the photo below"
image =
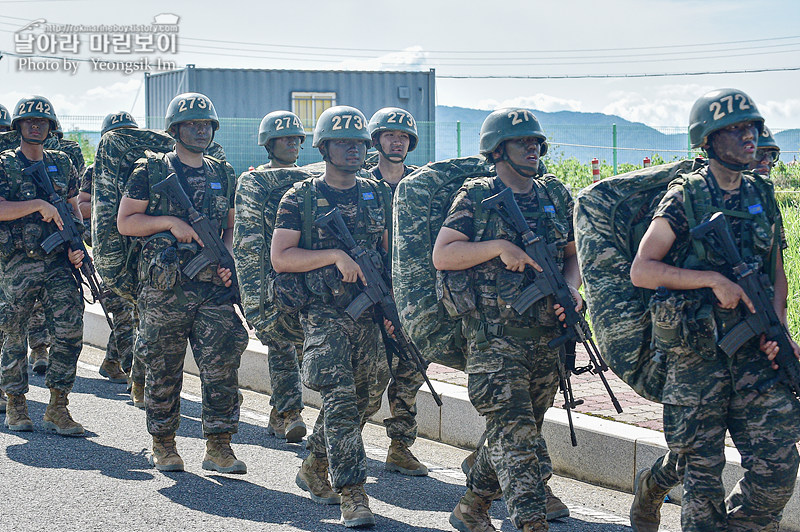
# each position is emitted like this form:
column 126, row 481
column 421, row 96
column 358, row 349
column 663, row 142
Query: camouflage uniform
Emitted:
column 339, row 354
column 173, row 308
column 512, row 379
column 30, row 275
column 403, row 387
column 120, row 341
column 706, row 392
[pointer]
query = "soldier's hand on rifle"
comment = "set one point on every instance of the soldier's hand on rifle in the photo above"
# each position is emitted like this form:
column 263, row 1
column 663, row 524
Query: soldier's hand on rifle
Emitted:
column 351, row 272
column 729, row 294
column 515, row 257
column 225, row 274
column 770, row 348
column 183, row 232
column 50, row 214
column 560, row 312
column 389, row 327
column 75, row 257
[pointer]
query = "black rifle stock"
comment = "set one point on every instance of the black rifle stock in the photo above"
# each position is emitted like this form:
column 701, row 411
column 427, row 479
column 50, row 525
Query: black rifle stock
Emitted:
column 214, row 250
column 376, row 292
column 550, row 281
column 71, row 237
column 716, row 232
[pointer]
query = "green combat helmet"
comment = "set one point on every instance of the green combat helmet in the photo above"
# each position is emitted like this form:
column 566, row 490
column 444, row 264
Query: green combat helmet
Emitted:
column 765, row 142
column 340, row 122
column 34, row 107
column 190, row 106
column 392, row 119
column 117, row 120
column 505, row 124
column 719, row 109
column 5, row 119
column 280, row 124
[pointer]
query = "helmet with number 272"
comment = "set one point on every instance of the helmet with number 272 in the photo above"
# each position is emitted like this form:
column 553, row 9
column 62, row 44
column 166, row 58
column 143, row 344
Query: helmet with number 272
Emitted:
column 719, row 109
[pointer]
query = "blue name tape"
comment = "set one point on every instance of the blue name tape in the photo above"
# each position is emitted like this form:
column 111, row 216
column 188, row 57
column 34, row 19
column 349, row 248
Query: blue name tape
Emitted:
column 367, row 195
column 550, row 209
column 52, row 169
column 216, row 186
column 755, row 209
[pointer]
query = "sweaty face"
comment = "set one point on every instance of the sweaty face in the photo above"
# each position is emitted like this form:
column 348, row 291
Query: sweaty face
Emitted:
column 286, row 149
column 347, row 153
column 736, row 143
column 764, row 162
column 196, row 133
column 395, row 144
column 34, row 128
column 524, row 151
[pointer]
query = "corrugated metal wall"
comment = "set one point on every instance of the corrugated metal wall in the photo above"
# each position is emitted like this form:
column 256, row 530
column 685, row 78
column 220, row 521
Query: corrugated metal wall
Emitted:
column 250, row 94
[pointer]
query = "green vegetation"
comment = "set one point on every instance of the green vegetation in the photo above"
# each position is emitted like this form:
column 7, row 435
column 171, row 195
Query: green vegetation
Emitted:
column 87, row 148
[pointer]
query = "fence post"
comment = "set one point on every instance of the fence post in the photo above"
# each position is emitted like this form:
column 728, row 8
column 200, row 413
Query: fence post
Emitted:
column 458, row 137
column 614, row 134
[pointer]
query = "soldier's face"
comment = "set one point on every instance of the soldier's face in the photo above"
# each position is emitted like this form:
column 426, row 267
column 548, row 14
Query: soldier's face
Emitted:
column 764, row 162
column 34, row 128
column 524, row 151
column 286, row 149
column 347, row 152
column 736, row 143
column 196, row 133
column 395, row 144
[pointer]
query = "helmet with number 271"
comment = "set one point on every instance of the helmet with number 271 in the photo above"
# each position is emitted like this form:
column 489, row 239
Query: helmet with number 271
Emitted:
column 504, row 124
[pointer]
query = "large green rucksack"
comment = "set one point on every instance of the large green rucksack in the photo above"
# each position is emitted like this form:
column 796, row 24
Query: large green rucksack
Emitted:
column 257, row 196
column 421, row 202
column 115, row 256
column 611, row 217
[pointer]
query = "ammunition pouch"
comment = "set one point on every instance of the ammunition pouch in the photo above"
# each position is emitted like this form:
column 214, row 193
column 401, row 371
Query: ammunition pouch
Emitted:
column 456, row 291
column 287, row 291
column 684, row 323
column 326, row 283
column 509, row 287
column 162, row 273
column 6, row 242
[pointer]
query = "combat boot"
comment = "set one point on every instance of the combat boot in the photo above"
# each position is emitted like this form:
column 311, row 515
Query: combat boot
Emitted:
column 219, row 455
column 137, row 395
column 355, row 507
column 553, row 506
column 57, row 418
column 536, row 527
column 647, row 500
column 468, row 462
column 313, row 478
column 39, row 359
column 275, row 427
column 402, row 461
column 17, row 414
column 165, row 455
column 111, row 370
column 294, row 427
column 471, row 514
column 3, row 402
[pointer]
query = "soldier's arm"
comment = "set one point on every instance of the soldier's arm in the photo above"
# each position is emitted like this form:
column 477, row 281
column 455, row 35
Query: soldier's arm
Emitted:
column 85, row 204
column 454, row 251
column 287, row 256
column 132, row 220
column 13, row 210
column 649, row 271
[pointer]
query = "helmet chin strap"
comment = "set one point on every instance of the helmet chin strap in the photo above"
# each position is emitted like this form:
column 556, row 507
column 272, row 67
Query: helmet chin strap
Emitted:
column 193, row 149
column 736, row 167
column 391, row 158
column 272, row 157
column 30, row 141
column 341, row 167
column 523, row 170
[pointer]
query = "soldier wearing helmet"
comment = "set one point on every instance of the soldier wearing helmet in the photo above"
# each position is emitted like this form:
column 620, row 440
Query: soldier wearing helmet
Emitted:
column 5, row 119
column 32, row 275
column 394, row 135
column 767, row 154
column 119, row 354
column 174, row 308
column 282, row 135
column 708, row 391
column 512, row 369
column 340, row 353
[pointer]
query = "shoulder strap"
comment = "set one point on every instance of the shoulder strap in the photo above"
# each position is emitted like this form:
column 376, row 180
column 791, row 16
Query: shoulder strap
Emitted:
column 156, row 172
column 478, row 190
column 767, row 191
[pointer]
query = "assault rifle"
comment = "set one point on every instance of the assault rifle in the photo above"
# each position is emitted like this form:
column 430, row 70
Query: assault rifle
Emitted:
column 214, row 250
column 376, row 291
column 71, row 237
column 550, row 282
column 716, row 233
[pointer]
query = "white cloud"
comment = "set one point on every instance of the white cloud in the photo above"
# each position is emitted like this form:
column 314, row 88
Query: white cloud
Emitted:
column 540, row 102
column 780, row 111
column 664, row 108
column 411, row 58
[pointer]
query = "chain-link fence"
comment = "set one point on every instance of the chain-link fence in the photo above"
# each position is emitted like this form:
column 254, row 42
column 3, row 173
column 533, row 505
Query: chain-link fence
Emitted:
column 610, row 144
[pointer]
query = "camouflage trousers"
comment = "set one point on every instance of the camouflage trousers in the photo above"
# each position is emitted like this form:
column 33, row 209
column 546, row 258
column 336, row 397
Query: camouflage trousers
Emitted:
column 38, row 333
column 284, row 358
column 513, row 400
column 719, row 395
column 664, row 471
column 120, row 341
column 138, row 368
column 339, row 357
column 401, row 393
column 24, row 281
column 217, row 338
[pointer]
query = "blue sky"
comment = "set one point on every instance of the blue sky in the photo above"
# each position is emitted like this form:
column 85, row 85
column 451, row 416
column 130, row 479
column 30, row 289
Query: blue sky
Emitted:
column 521, row 38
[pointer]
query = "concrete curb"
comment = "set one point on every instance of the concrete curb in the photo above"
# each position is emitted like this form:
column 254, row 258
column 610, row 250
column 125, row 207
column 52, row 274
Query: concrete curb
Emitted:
column 608, row 454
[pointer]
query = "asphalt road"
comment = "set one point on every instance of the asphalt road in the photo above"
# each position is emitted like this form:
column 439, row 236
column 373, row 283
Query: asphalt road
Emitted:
column 104, row 482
